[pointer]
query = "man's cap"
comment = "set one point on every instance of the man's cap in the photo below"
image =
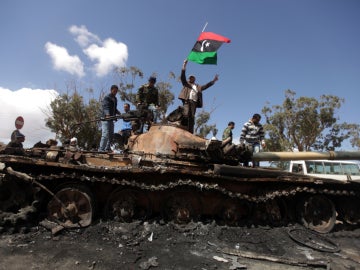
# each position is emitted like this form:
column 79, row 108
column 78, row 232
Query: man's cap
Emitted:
column 17, row 134
column 152, row 79
column 256, row 115
column 192, row 76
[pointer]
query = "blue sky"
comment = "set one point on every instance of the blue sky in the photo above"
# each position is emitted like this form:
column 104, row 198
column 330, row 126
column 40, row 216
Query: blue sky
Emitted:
column 311, row 47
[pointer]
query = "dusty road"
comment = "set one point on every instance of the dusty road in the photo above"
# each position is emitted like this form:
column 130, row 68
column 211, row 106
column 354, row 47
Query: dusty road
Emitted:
column 138, row 245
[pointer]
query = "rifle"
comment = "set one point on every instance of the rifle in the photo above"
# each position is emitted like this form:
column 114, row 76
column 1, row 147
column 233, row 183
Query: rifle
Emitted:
column 133, row 115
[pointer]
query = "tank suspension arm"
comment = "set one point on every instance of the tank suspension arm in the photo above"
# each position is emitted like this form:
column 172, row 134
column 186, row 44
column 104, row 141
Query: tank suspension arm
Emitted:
column 30, row 179
column 282, row 156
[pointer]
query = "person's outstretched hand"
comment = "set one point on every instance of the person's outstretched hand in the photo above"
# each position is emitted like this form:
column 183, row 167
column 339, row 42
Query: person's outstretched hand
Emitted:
column 185, row 63
column 215, row 78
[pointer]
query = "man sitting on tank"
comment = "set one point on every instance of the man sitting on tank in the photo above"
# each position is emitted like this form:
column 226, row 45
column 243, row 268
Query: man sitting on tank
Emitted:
column 15, row 146
column 227, row 138
column 125, row 132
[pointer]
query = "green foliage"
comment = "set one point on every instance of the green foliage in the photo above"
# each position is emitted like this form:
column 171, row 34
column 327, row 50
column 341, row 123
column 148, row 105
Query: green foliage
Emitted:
column 128, row 77
column 166, row 98
column 306, row 124
column 354, row 135
column 201, row 127
column 68, row 110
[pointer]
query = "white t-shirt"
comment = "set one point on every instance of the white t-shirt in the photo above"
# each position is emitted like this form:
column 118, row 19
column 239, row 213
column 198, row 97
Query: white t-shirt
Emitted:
column 193, row 93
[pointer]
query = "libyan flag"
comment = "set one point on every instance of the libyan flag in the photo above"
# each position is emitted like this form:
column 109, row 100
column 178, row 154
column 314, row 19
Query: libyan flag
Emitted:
column 204, row 50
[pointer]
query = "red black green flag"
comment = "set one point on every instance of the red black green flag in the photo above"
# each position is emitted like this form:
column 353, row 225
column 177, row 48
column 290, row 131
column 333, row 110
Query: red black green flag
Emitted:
column 204, row 50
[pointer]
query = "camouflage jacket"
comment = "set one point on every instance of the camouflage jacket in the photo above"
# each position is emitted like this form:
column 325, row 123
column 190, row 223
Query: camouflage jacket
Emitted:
column 227, row 134
column 148, row 95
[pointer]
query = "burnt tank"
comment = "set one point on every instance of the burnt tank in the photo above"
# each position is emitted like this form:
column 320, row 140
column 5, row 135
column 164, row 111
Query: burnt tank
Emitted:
column 171, row 174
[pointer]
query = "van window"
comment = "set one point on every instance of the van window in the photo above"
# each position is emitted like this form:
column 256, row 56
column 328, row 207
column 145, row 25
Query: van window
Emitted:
column 297, row 168
column 319, row 168
column 352, row 169
column 332, row 168
column 310, row 165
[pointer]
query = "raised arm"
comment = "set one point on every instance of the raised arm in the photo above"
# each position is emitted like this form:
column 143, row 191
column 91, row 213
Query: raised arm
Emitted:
column 211, row 83
column 183, row 74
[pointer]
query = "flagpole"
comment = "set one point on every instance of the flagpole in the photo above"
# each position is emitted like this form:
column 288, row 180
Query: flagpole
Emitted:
column 204, row 27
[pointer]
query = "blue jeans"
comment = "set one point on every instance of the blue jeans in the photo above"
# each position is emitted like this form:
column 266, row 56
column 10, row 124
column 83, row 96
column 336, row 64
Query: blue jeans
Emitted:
column 107, row 134
column 155, row 112
column 255, row 148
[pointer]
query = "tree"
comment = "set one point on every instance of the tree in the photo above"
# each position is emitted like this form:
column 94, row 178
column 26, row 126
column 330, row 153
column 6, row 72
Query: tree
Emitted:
column 306, row 124
column 201, row 127
column 66, row 111
column 128, row 77
column 354, row 135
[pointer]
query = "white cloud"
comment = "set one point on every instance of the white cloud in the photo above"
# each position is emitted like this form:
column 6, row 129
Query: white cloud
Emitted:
column 31, row 104
column 82, row 36
column 107, row 54
column 62, row 60
column 112, row 54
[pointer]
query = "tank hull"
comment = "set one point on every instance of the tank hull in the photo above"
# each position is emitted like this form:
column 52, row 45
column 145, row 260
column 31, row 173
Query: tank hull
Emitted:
column 170, row 174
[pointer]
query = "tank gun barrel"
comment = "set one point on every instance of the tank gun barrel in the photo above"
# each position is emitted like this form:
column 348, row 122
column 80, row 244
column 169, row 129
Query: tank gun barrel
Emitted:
column 282, row 156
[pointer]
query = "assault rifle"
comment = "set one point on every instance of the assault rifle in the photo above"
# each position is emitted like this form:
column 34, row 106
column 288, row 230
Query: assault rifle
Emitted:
column 134, row 115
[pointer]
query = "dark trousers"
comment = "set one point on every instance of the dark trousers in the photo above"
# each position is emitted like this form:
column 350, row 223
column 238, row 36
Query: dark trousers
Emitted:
column 124, row 137
column 189, row 115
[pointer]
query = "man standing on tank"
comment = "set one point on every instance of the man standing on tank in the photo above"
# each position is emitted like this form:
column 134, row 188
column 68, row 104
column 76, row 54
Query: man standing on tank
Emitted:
column 109, row 110
column 191, row 96
column 147, row 99
column 252, row 136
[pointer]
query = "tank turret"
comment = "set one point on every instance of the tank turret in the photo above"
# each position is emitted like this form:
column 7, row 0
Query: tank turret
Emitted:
column 167, row 140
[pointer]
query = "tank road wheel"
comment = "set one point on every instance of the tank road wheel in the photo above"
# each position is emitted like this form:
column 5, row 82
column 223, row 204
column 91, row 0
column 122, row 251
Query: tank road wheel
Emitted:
column 272, row 212
column 126, row 205
column 318, row 213
column 73, row 207
column 234, row 211
column 348, row 208
column 182, row 207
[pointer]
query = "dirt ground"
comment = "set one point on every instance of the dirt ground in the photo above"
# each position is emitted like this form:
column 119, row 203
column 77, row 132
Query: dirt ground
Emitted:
column 156, row 245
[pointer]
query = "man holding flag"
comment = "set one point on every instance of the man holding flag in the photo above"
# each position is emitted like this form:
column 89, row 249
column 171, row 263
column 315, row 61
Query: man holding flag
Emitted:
column 203, row 52
column 191, row 96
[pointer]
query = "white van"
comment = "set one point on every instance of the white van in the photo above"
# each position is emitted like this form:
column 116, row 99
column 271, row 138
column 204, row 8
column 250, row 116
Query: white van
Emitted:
column 331, row 169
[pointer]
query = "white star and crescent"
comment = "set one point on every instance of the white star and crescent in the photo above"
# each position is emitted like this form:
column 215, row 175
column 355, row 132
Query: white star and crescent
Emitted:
column 204, row 43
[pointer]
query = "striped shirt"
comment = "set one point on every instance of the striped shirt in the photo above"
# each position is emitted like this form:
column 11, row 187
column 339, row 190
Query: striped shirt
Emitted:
column 252, row 133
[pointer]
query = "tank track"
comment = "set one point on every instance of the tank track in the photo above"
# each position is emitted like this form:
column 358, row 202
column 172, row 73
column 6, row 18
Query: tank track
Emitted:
column 201, row 186
column 181, row 183
column 25, row 215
